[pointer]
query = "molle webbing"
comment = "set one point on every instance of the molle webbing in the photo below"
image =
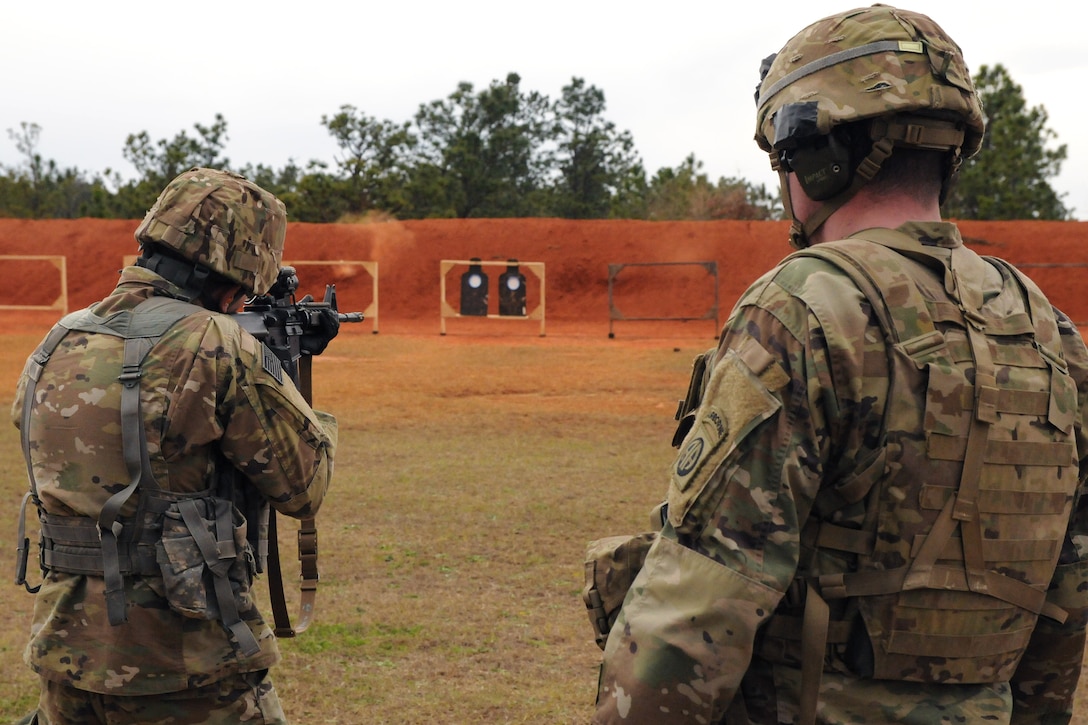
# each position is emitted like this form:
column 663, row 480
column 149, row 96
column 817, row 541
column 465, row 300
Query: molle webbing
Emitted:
column 989, row 402
column 73, row 545
column 960, row 508
column 954, row 560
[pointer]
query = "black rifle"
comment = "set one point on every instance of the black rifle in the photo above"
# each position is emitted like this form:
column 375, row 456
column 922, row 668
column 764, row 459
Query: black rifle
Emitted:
column 280, row 322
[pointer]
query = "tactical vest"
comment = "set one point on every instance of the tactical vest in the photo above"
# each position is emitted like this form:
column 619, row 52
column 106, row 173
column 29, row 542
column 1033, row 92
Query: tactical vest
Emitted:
column 967, row 501
column 194, row 540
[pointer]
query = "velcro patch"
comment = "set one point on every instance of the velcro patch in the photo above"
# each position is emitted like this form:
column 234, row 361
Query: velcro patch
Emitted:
column 738, row 398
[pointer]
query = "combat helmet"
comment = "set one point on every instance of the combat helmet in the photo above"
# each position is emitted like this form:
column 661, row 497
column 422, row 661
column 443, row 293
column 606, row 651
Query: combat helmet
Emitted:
column 217, row 222
column 894, row 73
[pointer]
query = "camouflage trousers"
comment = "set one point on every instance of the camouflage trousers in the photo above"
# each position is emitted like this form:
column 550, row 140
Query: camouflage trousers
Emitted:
column 247, row 698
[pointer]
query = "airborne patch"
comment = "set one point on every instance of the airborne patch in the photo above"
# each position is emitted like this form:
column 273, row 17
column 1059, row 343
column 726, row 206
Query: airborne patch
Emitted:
column 737, row 398
column 271, row 363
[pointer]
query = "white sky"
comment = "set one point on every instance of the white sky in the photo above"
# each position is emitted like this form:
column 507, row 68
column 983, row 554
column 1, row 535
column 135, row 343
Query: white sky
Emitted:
column 678, row 74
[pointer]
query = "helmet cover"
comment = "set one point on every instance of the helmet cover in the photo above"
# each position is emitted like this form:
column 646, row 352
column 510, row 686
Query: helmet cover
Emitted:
column 863, row 64
column 222, row 221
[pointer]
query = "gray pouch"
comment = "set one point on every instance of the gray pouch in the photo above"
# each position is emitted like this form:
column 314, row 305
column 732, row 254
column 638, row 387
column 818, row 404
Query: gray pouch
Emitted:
column 203, row 540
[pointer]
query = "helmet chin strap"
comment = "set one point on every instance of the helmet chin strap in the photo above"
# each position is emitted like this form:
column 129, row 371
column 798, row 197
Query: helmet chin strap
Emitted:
column 798, row 237
column 801, row 231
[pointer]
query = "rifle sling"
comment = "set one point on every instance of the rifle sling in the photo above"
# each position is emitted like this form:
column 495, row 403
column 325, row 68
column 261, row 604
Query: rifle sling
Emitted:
column 307, row 548
column 307, row 556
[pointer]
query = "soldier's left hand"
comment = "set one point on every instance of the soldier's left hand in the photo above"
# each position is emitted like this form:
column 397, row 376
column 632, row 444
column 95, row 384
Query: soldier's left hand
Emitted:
column 326, row 324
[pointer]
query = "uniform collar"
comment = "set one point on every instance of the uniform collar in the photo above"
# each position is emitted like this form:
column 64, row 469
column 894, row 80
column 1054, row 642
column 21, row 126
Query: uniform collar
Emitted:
column 925, row 236
column 133, row 277
column 930, row 243
column 944, row 235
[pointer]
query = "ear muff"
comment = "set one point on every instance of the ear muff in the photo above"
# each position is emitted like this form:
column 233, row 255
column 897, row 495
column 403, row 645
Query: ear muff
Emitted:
column 824, row 168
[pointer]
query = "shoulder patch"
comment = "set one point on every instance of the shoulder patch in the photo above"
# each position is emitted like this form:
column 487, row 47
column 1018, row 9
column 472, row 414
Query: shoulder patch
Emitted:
column 738, row 397
column 271, row 363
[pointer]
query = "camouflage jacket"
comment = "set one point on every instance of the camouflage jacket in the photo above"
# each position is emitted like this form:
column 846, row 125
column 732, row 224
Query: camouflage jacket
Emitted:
column 204, row 394
column 794, row 404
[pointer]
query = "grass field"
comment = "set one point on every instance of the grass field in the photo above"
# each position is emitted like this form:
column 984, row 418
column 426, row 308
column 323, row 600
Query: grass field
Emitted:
column 471, row 472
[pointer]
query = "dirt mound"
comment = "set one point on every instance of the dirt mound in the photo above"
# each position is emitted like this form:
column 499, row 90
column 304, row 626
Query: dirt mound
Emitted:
column 580, row 261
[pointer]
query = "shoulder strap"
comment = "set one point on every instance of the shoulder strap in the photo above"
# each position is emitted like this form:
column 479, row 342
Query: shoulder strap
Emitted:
column 851, row 255
column 141, row 329
column 34, row 369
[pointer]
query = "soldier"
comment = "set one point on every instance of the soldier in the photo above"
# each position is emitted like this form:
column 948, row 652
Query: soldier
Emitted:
column 876, row 514
column 150, row 422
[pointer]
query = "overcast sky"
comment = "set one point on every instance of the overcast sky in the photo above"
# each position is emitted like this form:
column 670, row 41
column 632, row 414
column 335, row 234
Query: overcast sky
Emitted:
column 678, row 74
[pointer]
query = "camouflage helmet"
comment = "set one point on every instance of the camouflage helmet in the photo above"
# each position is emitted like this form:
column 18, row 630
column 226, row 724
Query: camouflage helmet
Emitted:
column 221, row 221
column 864, row 64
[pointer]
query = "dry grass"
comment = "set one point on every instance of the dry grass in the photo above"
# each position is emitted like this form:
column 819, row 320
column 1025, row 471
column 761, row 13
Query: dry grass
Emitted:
column 471, row 472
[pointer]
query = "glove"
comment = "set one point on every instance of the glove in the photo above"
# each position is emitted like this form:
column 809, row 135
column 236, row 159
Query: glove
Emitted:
column 324, row 324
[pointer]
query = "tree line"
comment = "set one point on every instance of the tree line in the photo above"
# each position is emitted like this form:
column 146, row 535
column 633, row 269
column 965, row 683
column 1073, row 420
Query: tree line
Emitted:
column 503, row 151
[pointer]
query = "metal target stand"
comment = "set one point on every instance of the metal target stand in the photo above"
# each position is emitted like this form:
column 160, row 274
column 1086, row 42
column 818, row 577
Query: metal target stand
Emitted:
column 614, row 313
column 446, row 310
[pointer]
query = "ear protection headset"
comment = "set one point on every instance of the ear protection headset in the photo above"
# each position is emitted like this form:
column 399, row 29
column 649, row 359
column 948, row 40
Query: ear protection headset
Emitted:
column 823, row 161
column 824, row 168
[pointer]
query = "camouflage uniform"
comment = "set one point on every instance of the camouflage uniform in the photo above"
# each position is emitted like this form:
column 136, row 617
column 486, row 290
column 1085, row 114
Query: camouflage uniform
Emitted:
column 207, row 392
column 875, row 516
column 792, row 414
